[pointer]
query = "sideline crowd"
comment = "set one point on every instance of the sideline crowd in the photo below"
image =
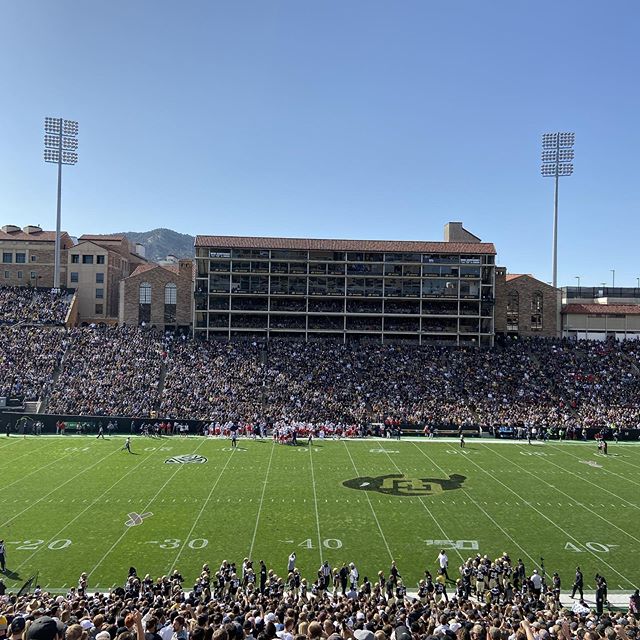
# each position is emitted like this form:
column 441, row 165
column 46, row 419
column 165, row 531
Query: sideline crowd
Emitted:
column 490, row 600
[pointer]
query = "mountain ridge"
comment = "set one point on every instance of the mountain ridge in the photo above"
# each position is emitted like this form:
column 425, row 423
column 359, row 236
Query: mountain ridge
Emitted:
column 161, row 242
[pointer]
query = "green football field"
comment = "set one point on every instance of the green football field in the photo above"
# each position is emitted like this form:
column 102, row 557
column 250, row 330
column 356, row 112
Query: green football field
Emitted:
column 71, row 504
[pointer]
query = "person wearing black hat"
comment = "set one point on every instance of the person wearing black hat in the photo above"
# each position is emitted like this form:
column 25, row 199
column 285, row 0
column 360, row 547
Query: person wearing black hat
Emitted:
column 16, row 629
column 45, row 628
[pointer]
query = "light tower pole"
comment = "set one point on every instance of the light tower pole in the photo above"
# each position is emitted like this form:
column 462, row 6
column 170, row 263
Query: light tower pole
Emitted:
column 60, row 146
column 557, row 162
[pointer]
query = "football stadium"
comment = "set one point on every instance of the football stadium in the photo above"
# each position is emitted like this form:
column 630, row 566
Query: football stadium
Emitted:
column 300, row 398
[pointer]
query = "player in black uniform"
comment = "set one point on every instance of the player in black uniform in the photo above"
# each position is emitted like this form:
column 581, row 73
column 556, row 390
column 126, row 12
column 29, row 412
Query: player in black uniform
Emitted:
column 263, row 576
column 556, row 587
column 578, row 584
column 3, row 556
column 234, row 437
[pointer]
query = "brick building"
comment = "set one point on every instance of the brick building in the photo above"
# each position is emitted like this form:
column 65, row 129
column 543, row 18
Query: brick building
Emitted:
column 158, row 295
column 96, row 265
column 28, row 256
column 526, row 306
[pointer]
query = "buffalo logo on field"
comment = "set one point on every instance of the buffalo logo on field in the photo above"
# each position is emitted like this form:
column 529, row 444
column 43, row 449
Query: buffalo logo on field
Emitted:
column 400, row 485
column 191, row 458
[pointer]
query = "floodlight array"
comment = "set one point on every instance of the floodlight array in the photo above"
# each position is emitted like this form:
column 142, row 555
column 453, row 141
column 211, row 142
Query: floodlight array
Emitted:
column 53, row 155
column 60, row 134
column 557, row 154
column 70, row 127
column 52, row 125
column 558, row 140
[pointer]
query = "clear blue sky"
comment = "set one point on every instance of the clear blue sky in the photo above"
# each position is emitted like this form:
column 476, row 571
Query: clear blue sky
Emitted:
column 352, row 119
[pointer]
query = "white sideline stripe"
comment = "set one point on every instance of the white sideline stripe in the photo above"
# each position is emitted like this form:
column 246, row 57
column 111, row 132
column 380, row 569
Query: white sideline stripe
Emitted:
column 557, row 526
column 583, row 479
column 493, row 521
column 264, row 488
column 444, row 533
column 84, row 470
column 375, row 517
column 607, row 470
column 195, row 522
column 580, row 504
column 55, row 536
column 146, row 508
column 315, row 502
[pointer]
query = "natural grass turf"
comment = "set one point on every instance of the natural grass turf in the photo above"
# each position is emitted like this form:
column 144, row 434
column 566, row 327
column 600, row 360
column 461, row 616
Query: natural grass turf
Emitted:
column 266, row 500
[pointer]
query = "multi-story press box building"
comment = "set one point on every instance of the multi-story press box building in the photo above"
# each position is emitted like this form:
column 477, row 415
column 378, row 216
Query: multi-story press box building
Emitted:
column 346, row 290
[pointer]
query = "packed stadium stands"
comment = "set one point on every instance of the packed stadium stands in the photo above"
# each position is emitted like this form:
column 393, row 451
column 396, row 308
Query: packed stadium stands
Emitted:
column 38, row 306
column 140, row 373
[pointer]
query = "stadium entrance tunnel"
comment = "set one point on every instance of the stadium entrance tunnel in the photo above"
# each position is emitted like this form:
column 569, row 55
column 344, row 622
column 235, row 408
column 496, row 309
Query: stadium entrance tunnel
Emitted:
column 401, row 485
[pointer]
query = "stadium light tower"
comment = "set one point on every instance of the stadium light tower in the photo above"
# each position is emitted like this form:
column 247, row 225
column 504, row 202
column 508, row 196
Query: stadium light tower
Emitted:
column 60, row 146
column 557, row 162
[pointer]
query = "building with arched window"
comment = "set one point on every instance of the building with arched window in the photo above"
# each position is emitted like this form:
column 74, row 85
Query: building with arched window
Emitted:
column 158, row 295
column 526, row 306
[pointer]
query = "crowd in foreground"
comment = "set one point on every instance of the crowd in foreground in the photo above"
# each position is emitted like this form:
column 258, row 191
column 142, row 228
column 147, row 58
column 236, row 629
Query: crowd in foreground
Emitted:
column 491, row 600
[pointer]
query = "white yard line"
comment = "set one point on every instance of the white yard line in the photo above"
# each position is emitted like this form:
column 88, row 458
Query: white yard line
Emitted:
column 579, row 504
column 555, row 448
column 552, row 522
column 89, row 506
column 124, row 533
column 444, row 533
column 315, row 502
column 195, row 522
column 264, row 488
column 493, row 521
column 9, row 442
column 375, row 517
column 38, row 470
column 84, row 470
column 583, row 479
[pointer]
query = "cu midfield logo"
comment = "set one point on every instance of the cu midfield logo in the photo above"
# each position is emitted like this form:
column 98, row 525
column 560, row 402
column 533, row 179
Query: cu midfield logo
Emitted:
column 400, row 485
column 191, row 458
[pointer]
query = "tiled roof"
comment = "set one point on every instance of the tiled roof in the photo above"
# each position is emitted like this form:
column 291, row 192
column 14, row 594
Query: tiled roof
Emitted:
column 310, row 244
column 142, row 268
column 38, row 236
column 602, row 309
column 97, row 236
